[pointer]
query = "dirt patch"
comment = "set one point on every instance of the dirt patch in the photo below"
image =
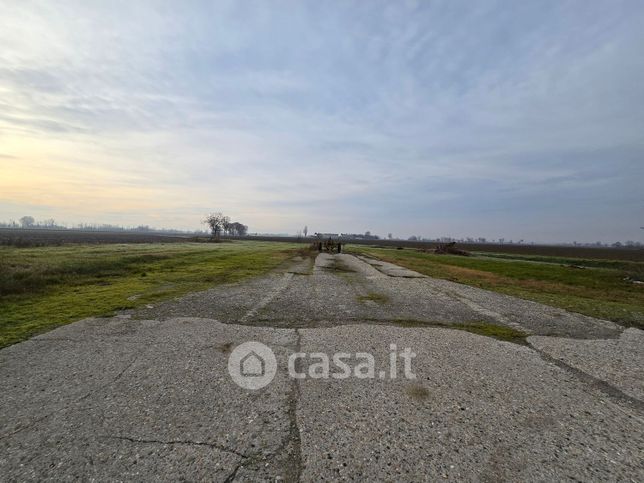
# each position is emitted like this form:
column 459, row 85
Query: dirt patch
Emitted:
column 417, row 392
column 225, row 348
column 337, row 266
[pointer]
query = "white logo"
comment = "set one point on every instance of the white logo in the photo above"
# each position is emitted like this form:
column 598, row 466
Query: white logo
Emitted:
column 252, row 365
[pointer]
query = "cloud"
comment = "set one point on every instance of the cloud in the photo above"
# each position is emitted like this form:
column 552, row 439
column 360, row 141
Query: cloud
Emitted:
column 487, row 119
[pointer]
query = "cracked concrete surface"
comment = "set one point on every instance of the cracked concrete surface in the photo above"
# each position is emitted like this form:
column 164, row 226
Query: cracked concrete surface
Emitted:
column 147, row 395
column 618, row 362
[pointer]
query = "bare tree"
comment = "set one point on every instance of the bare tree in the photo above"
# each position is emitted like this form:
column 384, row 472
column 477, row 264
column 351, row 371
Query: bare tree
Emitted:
column 226, row 225
column 27, row 221
column 216, row 223
column 305, row 231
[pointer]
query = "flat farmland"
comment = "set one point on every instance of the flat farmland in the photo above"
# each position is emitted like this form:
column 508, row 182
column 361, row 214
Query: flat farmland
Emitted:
column 567, row 251
column 41, row 237
column 44, row 287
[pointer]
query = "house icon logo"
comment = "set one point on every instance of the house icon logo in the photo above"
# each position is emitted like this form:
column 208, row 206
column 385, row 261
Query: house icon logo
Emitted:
column 252, row 365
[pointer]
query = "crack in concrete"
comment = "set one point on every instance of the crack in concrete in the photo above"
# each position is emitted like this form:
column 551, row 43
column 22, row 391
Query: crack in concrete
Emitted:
column 75, row 401
column 180, row 441
column 290, row 448
column 294, row 430
column 33, row 423
column 609, row 390
column 233, row 474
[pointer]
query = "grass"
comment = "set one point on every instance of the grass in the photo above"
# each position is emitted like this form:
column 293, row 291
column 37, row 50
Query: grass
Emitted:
column 500, row 332
column 42, row 288
column 602, row 288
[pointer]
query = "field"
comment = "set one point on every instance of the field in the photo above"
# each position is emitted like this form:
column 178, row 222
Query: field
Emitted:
column 42, row 237
column 41, row 288
column 635, row 254
column 594, row 287
column 46, row 286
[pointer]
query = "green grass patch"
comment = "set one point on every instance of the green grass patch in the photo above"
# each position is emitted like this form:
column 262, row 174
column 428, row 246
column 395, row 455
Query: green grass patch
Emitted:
column 42, row 288
column 374, row 297
column 602, row 289
column 622, row 265
column 500, row 332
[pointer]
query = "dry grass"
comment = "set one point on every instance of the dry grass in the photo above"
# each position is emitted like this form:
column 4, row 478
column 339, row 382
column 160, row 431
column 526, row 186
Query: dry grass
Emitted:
column 41, row 288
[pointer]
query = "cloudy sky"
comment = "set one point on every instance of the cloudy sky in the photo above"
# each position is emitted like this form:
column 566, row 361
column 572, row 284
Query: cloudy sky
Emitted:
column 515, row 119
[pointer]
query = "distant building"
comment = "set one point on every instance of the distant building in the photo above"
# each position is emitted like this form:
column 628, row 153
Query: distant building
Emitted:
column 348, row 236
column 360, row 236
column 333, row 236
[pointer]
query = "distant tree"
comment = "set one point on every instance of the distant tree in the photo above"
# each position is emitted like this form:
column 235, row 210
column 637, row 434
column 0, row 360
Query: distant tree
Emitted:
column 27, row 221
column 216, row 223
column 390, row 236
column 239, row 229
column 226, row 225
column 305, row 231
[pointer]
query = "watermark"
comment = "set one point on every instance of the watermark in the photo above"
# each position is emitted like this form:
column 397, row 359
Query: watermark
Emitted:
column 253, row 365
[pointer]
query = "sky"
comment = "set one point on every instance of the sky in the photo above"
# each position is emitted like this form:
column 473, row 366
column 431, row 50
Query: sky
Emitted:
column 521, row 120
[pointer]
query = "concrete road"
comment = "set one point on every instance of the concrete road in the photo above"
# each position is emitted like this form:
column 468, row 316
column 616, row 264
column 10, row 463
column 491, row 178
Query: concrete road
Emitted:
column 147, row 395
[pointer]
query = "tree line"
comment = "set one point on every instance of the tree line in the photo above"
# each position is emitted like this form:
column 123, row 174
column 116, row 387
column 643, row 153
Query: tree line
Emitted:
column 220, row 224
column 30, row 223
